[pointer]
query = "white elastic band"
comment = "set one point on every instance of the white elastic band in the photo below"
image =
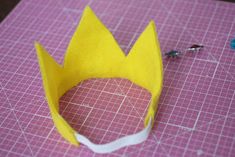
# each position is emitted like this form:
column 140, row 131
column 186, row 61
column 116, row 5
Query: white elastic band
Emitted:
column 118, row 143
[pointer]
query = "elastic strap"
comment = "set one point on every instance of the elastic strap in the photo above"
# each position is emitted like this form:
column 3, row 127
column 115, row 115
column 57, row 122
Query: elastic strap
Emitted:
column 118, row 143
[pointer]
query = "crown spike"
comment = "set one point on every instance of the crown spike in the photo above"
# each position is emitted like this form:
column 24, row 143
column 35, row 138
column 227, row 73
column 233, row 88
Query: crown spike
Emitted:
column 91, row 44
column 145, row 59
column 52, row 76
column 49, row 69
column 145, row 66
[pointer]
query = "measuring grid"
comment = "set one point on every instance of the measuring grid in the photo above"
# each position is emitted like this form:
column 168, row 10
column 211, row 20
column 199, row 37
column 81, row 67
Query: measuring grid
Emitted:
column 196, row 109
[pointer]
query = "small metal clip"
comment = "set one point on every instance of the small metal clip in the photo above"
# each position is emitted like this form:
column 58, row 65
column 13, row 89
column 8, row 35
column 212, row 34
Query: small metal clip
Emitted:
column 195, row 48
column 173, row 54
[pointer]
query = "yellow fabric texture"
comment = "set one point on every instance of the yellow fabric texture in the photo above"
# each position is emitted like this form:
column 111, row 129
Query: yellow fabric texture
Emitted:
column 94, row 53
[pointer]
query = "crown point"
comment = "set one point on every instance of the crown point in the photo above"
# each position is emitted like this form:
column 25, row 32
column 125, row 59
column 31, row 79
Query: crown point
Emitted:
column 38, row 47
column 36, row 44
column 88, row 10
column 153, row 23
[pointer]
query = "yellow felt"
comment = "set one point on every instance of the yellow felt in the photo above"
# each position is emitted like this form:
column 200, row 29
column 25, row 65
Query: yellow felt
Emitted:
column 52, row 75
column 94, row 53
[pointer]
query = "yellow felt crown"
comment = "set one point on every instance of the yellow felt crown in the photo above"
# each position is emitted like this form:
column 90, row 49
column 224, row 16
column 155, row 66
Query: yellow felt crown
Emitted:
column 94, row 53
